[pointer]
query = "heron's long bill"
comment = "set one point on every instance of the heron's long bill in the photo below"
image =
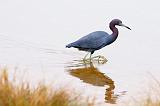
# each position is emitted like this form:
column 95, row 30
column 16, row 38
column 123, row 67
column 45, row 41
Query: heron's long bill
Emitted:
column 125, row 26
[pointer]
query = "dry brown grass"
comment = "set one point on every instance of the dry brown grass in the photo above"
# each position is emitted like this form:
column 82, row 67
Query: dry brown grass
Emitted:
column 12, row 94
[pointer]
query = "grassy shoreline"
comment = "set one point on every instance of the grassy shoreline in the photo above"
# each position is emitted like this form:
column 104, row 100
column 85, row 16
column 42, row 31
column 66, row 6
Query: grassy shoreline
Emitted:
column 23, row 95
column 12, row 94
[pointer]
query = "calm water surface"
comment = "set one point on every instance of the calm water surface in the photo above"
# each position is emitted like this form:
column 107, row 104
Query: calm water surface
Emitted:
column 109, row 82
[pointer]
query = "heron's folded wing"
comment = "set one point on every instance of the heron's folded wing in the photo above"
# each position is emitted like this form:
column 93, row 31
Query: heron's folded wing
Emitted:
column 93, row 40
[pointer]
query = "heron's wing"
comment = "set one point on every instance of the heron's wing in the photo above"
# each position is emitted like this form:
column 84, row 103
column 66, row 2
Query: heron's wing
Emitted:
column 94, row 40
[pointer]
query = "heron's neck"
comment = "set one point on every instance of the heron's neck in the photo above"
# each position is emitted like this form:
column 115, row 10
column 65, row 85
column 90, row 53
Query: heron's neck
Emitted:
column 114, row 31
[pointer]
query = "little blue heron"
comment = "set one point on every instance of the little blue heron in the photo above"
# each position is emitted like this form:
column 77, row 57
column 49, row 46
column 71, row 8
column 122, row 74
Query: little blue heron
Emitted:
column 98, row 39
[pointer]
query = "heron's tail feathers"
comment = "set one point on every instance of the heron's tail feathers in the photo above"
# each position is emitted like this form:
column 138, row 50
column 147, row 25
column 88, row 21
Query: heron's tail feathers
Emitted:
column 69, row 45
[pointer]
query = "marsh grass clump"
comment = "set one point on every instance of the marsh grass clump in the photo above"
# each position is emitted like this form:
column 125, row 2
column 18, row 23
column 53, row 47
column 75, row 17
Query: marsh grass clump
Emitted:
column 23, row 94
column 153, row 98
column 151, row 95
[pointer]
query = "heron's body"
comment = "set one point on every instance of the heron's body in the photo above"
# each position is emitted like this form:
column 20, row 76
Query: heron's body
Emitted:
column 91, row 41
column 98, row 39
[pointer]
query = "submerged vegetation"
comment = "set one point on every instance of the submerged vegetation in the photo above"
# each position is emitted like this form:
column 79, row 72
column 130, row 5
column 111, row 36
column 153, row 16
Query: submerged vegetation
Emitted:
column 12, row 94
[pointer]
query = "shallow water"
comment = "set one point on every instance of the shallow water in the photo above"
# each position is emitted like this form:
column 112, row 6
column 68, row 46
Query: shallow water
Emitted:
column 109, row 82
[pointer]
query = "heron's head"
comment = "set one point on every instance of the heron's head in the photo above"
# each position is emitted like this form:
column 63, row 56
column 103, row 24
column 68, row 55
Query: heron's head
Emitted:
column 119, row 23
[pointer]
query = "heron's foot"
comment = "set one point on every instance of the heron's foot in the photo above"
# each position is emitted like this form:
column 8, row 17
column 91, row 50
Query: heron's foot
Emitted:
column 100, row 59
column 87, row 60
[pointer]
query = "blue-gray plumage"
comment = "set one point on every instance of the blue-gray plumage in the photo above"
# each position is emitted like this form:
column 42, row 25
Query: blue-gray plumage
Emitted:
column 98, row 39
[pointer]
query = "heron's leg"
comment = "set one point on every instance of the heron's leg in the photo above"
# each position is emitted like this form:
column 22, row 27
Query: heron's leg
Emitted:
column 85, row 56
column 90, row 57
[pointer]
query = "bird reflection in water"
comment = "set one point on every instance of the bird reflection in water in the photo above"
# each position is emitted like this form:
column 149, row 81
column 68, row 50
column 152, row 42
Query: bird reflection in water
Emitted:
column 90, row 74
